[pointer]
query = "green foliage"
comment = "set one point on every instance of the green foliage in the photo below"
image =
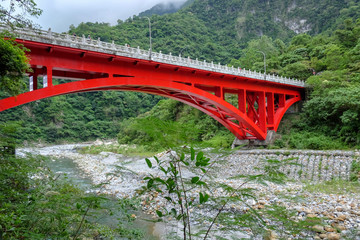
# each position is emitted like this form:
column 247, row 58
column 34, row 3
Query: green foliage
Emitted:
column 335, row 186
column 13, row 65
column 308, row 140
column 171, row 123
column 330, row 64
column 7, row 138
column 355, row 170
column 179, row 190
column 127, row 150
column 159, row 135
column 18, row 13
column 280, row 216
column 337, row 112
column 35, row 204
column 221, row 140
column 172, row 185
column 77, row 117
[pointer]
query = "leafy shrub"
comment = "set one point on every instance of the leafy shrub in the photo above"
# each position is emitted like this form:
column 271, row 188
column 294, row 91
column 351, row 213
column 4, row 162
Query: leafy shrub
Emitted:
column 34, row 204
column 355, row 170
column 309, row 140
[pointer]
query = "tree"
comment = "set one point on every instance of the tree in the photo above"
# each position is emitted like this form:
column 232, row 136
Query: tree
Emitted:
column 13, row 61
column 18, row 13
column 183, row 179
column 13, row 64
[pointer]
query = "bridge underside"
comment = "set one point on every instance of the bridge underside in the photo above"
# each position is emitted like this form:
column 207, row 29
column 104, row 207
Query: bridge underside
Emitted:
column 247, row 107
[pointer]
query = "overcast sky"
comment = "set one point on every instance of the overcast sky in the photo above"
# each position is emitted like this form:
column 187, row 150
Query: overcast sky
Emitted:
column 60, row 14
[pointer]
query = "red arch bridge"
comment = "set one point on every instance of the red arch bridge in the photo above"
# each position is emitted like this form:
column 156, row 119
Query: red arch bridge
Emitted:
column 247, row 103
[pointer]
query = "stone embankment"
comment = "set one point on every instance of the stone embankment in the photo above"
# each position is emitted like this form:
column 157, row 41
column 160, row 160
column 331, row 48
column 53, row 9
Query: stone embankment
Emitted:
column 310, row 165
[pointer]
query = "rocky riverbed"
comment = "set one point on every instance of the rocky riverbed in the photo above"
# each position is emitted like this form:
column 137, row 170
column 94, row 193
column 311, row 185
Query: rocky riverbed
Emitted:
column 340, row 211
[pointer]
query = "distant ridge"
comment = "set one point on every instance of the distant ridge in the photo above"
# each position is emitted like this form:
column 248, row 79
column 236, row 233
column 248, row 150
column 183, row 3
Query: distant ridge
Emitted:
column 166, row 8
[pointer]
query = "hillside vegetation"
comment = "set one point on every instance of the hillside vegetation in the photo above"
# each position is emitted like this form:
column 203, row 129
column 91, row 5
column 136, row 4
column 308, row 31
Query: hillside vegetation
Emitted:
column 313, row 41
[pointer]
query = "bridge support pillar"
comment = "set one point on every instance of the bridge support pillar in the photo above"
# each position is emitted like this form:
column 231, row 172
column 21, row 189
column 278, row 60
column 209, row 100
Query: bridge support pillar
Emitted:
column 47, row 76
column 270, row 138
column 33, row 82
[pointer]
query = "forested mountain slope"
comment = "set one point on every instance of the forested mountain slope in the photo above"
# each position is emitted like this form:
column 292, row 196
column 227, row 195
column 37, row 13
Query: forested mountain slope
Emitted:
column 248, row 19
column 218, row 29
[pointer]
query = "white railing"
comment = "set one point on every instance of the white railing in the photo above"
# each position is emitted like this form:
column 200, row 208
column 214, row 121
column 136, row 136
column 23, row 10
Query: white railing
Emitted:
column 111, row 48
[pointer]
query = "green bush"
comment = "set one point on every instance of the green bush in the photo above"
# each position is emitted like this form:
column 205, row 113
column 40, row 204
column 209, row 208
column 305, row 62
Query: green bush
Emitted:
column 309, row 140
column 355, row 170
column 220, row 141
column 34, row 204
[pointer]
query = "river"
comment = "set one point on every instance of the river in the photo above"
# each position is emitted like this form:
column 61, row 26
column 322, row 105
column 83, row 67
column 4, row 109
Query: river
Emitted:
column 64, row 161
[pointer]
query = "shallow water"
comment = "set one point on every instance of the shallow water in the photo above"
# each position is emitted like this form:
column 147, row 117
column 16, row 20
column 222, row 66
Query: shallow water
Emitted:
column 66, row 168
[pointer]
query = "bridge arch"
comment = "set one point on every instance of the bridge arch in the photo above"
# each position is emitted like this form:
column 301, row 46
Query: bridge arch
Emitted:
column 231, row 117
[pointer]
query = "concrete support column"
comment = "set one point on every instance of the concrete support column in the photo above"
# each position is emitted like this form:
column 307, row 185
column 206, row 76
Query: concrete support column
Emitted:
column 47, row 76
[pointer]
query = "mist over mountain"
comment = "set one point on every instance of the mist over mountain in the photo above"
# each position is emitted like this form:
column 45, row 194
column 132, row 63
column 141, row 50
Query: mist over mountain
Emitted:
column 166, row 8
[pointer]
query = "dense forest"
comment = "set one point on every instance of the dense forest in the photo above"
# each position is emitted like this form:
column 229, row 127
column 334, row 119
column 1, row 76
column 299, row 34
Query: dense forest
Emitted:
column 317, row 42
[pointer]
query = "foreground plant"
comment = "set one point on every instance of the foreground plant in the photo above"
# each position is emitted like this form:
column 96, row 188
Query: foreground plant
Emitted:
column 36, row 204
column 184, row 194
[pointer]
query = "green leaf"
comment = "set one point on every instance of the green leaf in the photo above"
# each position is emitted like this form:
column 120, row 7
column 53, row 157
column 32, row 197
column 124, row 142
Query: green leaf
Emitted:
column 160, row 180
column 168, row 198
column 200, row 156
column 201, row 183
column 148, row 162
column 160, row 214
column 163, row 170
column 186, row 163
column 182, row 157
column 206, row 197
column 78, row 205
column 150, row 183
column 192, row 151
column 172, row 167
column 195, row 179
column 201, row 198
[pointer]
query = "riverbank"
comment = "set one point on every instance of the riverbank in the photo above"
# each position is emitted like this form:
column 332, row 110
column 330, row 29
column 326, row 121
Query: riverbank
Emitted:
column 341, row 210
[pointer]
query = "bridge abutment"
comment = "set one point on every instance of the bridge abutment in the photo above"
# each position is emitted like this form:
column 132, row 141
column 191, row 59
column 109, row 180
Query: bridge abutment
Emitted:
column 270, row 138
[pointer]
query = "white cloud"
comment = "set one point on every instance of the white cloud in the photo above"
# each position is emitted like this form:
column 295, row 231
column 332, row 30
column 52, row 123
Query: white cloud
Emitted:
column 60, row 14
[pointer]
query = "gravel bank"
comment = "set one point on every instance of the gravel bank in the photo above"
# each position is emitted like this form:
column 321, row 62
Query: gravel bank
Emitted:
column 342, row 211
